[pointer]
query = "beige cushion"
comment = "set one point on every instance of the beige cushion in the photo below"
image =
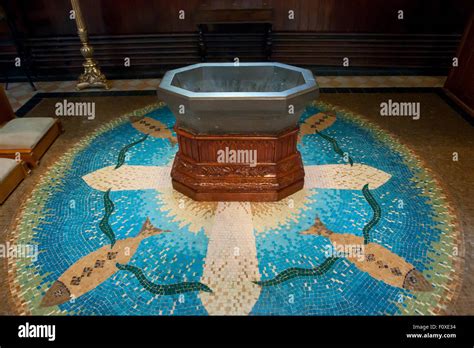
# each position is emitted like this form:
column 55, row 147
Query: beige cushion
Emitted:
column 24, row 133
column 6, row 167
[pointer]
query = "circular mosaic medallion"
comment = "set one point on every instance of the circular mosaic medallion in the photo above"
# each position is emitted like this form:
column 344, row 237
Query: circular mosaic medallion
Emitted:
column 371, row 233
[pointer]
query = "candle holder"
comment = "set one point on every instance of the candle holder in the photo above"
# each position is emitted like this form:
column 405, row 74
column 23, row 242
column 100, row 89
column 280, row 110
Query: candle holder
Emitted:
column 92, row 77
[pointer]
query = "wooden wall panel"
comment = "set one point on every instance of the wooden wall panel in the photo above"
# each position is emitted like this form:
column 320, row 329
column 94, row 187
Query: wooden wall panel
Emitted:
column 460, row 82
column 323, row 31
column 369, row 16
column 366, row 50
column 109, row 17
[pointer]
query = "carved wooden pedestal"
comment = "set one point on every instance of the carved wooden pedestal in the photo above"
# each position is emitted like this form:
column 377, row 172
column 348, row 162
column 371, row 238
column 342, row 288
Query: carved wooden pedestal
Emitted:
column 277, row 173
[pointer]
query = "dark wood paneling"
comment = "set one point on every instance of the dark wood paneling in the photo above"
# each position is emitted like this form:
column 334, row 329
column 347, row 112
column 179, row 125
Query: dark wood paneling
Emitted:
column 372, row 16
column 365, row 50
column 8, row 51
column 322, row 33
column 154, row 54
column 233, row 16
column 460, row 82
column 109, row 17
column 148, row 53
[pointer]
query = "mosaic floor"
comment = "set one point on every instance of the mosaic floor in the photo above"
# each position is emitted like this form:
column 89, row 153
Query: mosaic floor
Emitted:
column 371, row 233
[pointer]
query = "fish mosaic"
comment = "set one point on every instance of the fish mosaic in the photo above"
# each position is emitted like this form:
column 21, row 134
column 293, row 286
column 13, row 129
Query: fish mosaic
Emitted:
column 377, row 261
column 155, row 128
column 316, row 123
column 96, row 267
column 370, row 233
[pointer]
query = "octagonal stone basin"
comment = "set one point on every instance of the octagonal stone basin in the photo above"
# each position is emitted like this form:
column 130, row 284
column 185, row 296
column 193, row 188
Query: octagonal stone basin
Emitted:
column 248, row 98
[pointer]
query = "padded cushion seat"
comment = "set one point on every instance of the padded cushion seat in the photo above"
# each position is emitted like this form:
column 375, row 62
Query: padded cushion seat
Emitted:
column 24, row 133
column 6, row 167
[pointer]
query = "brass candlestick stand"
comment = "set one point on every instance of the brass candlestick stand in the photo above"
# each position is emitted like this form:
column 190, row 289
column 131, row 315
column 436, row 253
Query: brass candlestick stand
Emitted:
column 92, row 77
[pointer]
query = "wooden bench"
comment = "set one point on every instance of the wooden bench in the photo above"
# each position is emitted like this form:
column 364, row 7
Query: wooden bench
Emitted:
column 25, row 139
column 12, row 174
